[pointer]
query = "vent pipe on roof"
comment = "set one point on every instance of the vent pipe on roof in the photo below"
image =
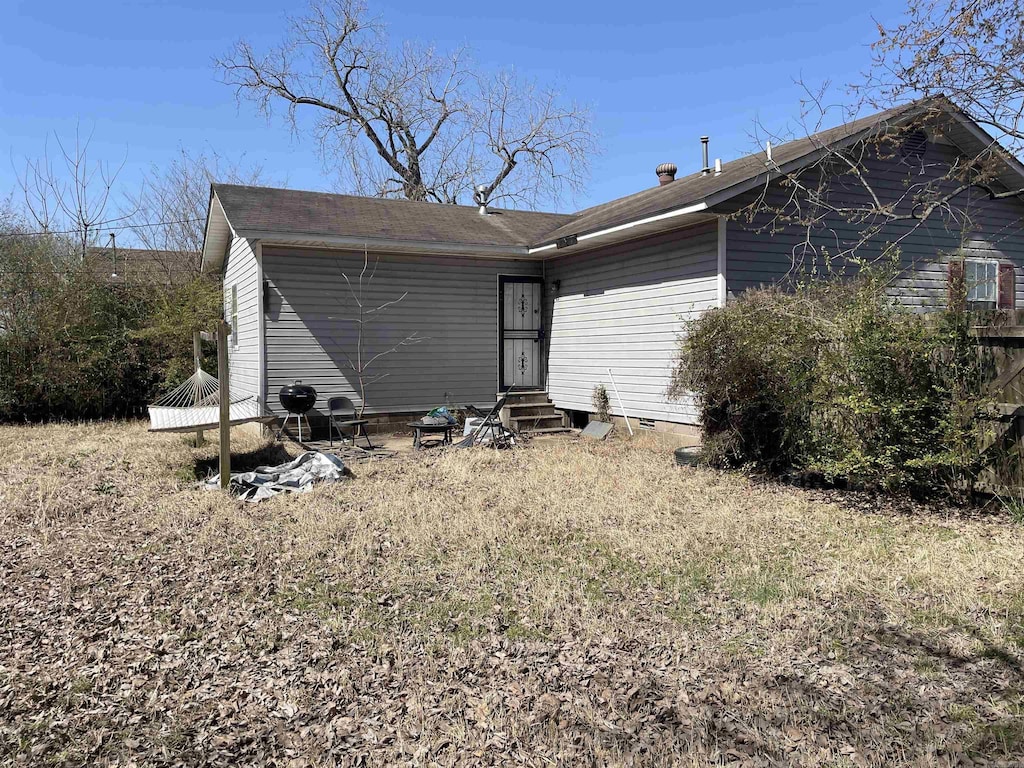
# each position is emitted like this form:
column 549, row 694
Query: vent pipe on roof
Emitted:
column 480, row 197
column 705, row 169
column 768, row 150
column 718, row 166
column 666, row 173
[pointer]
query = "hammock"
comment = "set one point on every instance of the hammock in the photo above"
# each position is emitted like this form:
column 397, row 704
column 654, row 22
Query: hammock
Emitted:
column 195, row 405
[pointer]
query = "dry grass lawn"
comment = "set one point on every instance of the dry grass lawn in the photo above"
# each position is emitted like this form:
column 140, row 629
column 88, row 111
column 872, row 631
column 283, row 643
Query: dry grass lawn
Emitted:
column 563, row 604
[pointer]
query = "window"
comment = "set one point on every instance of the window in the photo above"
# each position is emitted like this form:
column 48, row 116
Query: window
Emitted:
column 981, row 279
column 234, row 316
column 982, row 284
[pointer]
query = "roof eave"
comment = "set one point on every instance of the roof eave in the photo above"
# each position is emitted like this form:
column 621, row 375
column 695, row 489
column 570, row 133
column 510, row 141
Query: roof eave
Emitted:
column 770, row 173
column 216, row 236
column 388, row 245
column 612, row 234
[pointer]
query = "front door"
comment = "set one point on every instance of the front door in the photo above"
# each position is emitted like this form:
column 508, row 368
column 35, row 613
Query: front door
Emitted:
column 520, row 317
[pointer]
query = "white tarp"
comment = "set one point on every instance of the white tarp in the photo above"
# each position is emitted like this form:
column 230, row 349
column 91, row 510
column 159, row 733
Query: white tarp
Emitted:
column 297, row 476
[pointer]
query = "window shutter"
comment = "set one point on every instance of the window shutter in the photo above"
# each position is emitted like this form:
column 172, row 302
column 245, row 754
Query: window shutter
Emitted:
column 957, row 285
column 1007, row 287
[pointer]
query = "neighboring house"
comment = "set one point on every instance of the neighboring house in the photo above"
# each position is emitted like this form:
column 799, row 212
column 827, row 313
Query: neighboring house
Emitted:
column 552, row 302
column 141, row 265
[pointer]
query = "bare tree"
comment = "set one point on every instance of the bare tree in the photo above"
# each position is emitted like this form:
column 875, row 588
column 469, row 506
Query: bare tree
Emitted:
column 970, row 51
column 410, row 121
column 71, row 194
column 946, row 63
column 168, row 213
column 361, row 357
column 860, row 190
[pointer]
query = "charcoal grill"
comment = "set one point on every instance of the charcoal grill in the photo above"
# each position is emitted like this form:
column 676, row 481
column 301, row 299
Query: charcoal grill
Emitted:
column 298, row 399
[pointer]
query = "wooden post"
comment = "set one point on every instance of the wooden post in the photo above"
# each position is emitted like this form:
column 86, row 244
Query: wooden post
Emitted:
column 225, row 403
column 197, row 356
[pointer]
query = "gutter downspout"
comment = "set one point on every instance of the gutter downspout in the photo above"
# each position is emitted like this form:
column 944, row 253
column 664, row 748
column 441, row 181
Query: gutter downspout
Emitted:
column 723, row 254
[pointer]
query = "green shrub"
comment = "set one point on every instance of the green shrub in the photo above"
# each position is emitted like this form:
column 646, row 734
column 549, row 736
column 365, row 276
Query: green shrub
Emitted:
column 834, row 377
column 76, row 346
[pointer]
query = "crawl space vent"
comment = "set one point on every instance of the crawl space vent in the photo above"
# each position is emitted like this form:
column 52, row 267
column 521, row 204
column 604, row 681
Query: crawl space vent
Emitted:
column 646, row 423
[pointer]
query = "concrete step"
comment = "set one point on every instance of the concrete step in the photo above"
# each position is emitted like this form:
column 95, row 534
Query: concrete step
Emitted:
column 530, row 422
column 531, row 409
column 546, row 431
column 526, row 397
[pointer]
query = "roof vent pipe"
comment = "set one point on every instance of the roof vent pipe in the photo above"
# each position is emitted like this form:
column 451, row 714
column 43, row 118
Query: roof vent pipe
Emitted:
column 666, row 173
column 705, row 169
column 718, row 166
column 480, row 197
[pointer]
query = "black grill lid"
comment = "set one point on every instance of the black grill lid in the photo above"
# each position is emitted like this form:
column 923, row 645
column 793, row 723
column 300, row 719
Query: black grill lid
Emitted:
column 297, row 397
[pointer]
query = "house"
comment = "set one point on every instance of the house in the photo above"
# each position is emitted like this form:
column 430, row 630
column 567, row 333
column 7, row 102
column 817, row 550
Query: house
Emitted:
column 145, row 266
column 554, row 302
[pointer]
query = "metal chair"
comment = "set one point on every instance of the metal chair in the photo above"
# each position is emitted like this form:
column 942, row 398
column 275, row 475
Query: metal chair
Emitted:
column 341, row 413
column 491, row 422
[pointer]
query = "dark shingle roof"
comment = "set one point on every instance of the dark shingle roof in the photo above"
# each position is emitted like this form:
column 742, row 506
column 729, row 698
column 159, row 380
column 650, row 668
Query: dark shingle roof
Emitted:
column 697, row 187
column 264, row 209
column 141, row 265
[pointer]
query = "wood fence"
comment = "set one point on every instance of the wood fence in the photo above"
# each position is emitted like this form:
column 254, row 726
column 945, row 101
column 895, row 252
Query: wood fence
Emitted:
column 1001, row 349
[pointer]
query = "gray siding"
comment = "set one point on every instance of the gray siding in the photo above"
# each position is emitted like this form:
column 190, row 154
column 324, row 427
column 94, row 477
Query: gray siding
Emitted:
column 623, row 308
column 995, row 230
column 242, row 271
column 452, row 304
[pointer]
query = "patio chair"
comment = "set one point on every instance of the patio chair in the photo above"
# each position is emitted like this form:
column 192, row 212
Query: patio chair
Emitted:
column 490, row 422
column 341, row 414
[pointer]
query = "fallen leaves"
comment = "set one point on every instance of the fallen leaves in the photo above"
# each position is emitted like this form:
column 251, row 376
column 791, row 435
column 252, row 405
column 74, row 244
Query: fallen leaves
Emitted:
column 226, row 637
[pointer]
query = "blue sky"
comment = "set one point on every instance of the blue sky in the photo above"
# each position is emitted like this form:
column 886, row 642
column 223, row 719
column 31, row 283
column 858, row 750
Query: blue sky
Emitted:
column 139, row 75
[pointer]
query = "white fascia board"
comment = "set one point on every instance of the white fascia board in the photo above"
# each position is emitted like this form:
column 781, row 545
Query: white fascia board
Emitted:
column 213, row 256
column 313, row 240
column 542, row 248
column 695, row 208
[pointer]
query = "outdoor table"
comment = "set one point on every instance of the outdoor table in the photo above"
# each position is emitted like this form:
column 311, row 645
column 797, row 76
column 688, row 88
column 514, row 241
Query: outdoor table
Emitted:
column 421, row 429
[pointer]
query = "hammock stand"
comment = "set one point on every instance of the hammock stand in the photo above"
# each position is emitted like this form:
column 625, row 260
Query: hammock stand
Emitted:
column 203, row 402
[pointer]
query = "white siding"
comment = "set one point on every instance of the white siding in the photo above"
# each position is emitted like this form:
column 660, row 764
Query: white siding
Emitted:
column 623, row 308
column 242, row 271
column 452, row 304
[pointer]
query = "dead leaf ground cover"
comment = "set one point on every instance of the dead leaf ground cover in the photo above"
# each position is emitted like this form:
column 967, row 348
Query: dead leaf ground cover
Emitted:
column 567, row 603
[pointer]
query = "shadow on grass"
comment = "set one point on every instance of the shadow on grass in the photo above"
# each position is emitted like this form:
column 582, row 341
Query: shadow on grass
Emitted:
column 270, row 454
column 886, row 694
